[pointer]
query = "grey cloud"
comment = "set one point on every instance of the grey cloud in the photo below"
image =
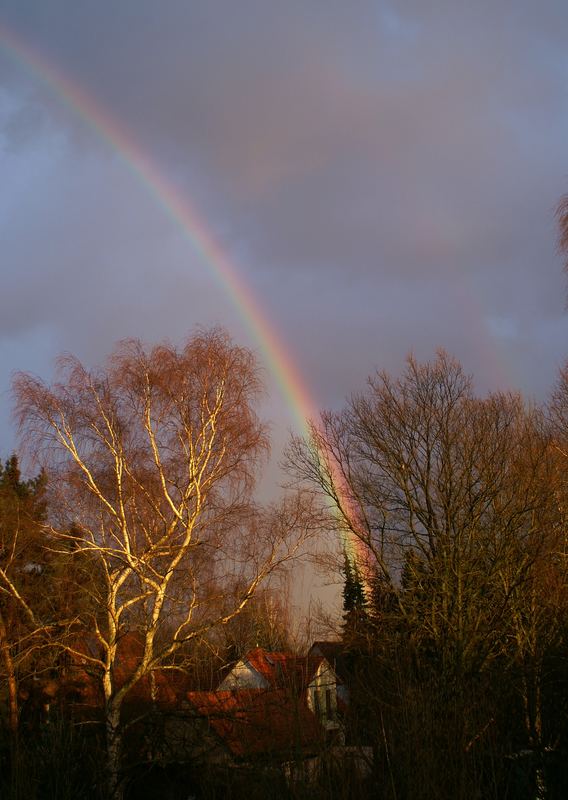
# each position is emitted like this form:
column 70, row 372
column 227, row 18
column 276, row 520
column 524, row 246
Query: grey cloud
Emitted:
column 379, row 169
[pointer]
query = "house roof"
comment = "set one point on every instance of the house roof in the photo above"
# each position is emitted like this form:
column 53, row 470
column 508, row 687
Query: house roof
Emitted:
column 328, row 649
column 257, row 722
column 283, row 670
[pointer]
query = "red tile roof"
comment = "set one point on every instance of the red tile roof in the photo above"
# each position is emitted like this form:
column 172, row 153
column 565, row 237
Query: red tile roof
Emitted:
column 255, row 722
column 284, row 670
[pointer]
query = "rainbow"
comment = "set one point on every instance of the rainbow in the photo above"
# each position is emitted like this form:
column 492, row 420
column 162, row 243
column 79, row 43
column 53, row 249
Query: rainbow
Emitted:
column 184, row 213
column 297, row 395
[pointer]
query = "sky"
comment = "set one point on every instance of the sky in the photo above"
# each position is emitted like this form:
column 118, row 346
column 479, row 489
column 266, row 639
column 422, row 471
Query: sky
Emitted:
column 381, row 176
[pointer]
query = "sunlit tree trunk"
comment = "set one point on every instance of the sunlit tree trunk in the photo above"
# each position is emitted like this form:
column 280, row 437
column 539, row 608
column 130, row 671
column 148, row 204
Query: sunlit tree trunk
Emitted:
column 113, row 749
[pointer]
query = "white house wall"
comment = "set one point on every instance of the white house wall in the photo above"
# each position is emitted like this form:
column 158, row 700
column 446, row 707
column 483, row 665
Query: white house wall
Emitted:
column 322, row 695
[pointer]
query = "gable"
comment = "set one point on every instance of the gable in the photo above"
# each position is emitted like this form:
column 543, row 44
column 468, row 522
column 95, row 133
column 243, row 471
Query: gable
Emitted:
column 244, row 676
column 324, row 676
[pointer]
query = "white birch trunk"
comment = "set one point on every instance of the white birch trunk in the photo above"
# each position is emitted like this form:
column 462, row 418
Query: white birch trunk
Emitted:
column 113, row 751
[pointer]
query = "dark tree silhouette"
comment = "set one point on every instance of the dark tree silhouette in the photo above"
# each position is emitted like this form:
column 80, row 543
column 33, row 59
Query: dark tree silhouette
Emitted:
column 22, row 560
column 562, row 217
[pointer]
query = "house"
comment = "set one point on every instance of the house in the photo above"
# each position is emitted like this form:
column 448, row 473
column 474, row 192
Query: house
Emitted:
column 286, row 710
column 308, row 679
column 271, row 708
column 269, row 705
column 336, row 655
column 275, row 715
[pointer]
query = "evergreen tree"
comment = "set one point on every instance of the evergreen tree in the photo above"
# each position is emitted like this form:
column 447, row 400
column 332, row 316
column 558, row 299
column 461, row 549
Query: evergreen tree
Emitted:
column 22, row 561
column 355, row 616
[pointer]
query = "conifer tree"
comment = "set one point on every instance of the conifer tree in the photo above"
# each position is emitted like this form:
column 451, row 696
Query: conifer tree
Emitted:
column 22, row 510
column 355, row 614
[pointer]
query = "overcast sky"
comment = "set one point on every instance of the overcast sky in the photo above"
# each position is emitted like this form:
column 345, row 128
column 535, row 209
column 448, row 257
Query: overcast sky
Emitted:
column 383, row 175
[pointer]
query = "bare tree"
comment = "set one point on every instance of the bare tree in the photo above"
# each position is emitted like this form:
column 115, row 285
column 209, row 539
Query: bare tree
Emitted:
column 450, row 495
column 265, row 623
column 153, row 459
column 436, row 484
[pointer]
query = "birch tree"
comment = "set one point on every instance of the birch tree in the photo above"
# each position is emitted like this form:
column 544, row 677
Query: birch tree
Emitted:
column 153, row 458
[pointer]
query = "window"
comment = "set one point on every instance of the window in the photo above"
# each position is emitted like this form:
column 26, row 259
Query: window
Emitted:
column 329, row 709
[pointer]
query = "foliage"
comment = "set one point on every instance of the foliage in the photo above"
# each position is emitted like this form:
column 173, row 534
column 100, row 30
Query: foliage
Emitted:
column 23, row 564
